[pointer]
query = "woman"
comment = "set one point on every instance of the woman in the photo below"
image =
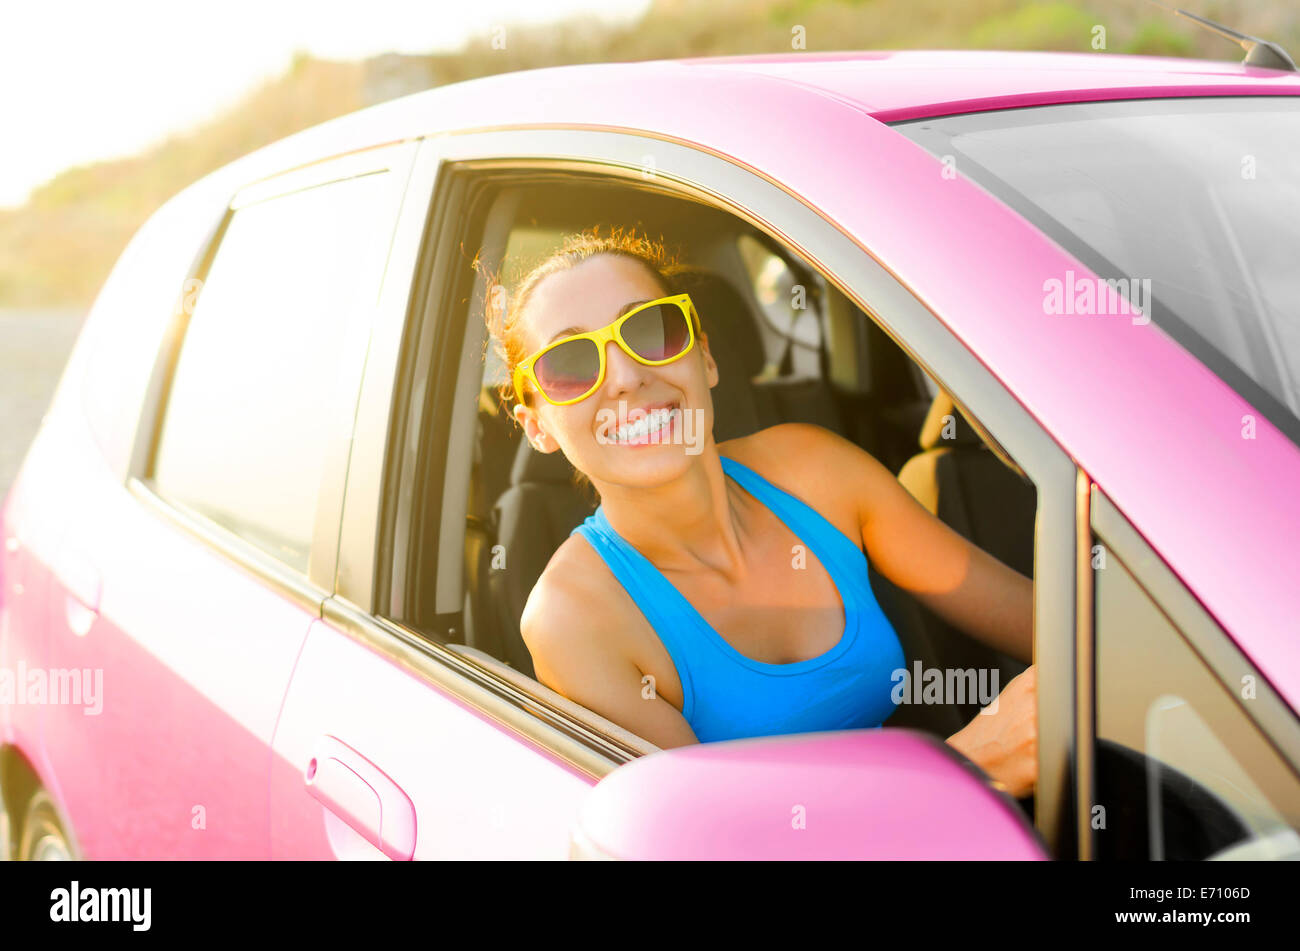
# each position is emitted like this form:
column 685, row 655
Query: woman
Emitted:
column 720, row 590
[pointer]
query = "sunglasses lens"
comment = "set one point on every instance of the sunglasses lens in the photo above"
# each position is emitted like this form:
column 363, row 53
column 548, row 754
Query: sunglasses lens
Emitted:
column 569, row 370
column 658, row 333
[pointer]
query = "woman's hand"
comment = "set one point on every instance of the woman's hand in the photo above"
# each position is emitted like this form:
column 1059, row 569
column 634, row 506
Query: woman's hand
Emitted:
column 1005, row 744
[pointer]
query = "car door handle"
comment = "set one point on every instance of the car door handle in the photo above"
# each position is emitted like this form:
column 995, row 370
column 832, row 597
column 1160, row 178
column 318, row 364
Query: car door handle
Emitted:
column 82, row 591
column 363, row 796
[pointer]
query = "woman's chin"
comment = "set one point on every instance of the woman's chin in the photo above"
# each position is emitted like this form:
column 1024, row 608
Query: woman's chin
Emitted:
column 641, row 466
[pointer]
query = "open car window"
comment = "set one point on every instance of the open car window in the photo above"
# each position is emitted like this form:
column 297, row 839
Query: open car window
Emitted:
column 521, row 504
column 470, row 515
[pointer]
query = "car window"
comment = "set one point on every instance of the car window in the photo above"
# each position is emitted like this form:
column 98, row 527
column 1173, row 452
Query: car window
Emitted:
column 522, row 504
column 1181, row 771
column 468, row 515
column 248, row 415
column 528, row 243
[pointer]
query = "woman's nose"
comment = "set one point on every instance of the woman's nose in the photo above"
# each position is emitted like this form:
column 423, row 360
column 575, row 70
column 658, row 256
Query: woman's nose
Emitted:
column 622, row 373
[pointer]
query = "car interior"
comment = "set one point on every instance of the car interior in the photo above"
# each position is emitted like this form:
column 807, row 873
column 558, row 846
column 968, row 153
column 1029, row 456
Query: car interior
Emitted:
column 825, row 363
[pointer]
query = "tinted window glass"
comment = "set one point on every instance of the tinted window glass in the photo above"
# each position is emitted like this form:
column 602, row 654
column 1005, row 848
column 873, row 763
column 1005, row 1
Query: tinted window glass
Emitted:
column 1196, row 199
column 1182, row 772
column 258, row 381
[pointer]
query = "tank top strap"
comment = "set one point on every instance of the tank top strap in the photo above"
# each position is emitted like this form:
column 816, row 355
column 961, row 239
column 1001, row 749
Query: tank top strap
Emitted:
column 804, row 521
column 673, row 618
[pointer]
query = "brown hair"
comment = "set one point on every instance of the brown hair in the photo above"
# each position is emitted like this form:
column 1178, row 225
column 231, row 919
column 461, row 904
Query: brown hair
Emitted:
column 504, row 309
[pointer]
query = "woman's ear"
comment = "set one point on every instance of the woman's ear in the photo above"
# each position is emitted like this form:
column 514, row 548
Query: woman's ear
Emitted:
column 710, row 365
column 526, row 416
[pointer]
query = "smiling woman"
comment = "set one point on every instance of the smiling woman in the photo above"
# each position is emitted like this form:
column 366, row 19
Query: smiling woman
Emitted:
column 721, row 590
column 514, row 341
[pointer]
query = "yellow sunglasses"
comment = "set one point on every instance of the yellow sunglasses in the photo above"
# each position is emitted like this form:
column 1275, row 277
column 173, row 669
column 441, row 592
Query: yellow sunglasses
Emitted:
column 570, row 369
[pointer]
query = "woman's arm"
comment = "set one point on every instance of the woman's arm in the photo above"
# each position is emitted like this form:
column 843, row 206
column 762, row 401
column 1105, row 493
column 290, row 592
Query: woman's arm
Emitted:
column 576, row 655
column 960, row 582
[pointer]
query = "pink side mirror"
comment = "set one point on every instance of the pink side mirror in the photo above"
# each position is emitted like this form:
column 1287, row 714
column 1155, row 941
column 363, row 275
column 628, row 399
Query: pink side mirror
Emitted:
column 858, row 794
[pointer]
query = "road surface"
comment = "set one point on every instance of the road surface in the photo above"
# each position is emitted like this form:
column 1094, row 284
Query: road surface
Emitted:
column 34, row 346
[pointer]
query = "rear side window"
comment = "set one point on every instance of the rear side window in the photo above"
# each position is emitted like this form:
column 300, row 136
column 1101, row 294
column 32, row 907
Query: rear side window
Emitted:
column 257, row 382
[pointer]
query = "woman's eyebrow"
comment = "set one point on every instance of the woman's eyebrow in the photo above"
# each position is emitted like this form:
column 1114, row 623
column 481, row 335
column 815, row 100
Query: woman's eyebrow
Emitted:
column 577, row 330
column 563, row 333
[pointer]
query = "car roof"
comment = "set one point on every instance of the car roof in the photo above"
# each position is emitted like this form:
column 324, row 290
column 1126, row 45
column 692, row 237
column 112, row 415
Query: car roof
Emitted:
column 888, row 86
column 899, row 85
column 1152, row 426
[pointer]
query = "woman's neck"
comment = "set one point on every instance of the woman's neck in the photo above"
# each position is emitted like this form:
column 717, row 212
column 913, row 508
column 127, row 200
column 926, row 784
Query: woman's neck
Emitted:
column 690, row 524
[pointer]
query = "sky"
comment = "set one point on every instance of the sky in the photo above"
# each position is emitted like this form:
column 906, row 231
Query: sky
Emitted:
column 84, row 80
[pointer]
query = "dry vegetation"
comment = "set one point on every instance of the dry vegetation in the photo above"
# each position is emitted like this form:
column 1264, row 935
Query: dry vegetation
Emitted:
column 57, row 249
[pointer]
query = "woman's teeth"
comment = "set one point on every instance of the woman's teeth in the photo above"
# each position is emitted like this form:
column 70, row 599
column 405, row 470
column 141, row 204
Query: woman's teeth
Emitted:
column 647, row 425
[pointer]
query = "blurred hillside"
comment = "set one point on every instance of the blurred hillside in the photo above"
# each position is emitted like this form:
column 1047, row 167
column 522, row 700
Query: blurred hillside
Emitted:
column 57, row 249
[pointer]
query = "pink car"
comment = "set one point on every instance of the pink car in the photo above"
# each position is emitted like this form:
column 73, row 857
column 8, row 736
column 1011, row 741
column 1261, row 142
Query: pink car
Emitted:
column 264, row 564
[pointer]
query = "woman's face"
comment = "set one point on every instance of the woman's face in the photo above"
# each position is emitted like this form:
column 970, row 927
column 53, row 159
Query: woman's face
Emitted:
column 588, row 296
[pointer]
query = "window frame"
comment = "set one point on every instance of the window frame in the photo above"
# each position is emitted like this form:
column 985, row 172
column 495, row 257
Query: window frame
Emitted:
column 844, row 260
column 311, row 588
column 1201, row 635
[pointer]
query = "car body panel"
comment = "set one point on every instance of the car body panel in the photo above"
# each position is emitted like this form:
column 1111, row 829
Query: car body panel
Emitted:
column 482, row 791
column 190, row 655
column 25, row 552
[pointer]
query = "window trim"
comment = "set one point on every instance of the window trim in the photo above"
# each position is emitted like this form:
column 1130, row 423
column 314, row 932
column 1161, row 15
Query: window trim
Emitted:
column 690, row 173
column 311, row 587
column 586, row 744
column 1085, row 706
column 273, row 573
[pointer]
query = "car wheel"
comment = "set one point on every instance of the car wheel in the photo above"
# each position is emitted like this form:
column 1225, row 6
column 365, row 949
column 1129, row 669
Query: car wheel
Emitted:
column 43, row 838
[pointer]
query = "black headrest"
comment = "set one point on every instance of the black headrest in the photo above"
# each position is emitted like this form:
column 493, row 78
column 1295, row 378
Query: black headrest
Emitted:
column 726, row 319
column 533, row 466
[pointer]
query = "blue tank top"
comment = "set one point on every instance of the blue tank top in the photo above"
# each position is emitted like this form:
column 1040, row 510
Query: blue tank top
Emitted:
column 727, row 695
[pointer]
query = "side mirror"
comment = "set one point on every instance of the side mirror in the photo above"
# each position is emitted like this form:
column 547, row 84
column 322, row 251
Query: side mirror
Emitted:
column 854, row 794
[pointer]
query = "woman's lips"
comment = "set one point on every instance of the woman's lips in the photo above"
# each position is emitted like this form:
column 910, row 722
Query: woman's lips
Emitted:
column 644, row 417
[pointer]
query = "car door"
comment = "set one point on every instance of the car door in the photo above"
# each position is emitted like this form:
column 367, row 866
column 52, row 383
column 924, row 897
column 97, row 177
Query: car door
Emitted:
column 397, row 738
column 189, row 596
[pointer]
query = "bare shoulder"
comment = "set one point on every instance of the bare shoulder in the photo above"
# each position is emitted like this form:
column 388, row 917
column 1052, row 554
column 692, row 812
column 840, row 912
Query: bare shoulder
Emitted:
column 832, row 474
column 576, row 601
column 571, row 578
column 799, row 454
column 775, row 444
column 581, row 628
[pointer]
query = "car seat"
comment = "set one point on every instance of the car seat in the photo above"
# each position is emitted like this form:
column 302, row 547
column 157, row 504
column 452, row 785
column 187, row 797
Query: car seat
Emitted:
column 962, row 482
